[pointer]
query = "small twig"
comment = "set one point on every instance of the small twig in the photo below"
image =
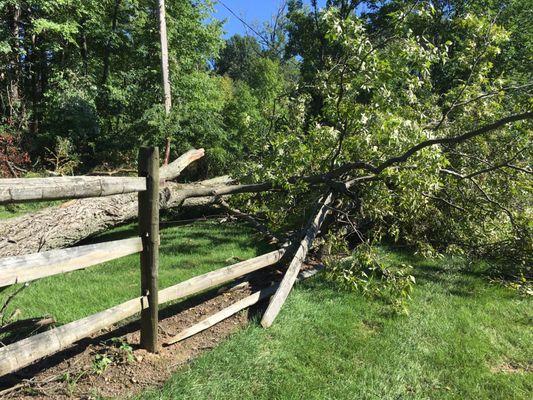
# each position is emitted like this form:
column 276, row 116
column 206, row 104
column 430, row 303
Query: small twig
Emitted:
column 445, row 201
column 12, row 389
column 251, row 220
column 10, row 299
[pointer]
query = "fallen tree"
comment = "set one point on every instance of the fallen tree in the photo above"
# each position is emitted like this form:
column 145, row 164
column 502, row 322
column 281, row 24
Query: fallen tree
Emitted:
column 73, row 221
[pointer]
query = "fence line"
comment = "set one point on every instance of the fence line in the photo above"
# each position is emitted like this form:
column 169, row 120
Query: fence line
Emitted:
column 75, row 187
column 26, row 351
column 21, row 269
column 26, row 268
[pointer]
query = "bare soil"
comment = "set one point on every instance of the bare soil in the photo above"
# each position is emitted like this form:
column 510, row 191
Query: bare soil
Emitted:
column 111, row 364
column 511, row 367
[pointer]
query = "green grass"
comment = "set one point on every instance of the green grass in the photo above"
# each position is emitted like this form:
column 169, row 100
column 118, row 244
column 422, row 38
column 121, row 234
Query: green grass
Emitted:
column 16, row 210
column 186, row 251
column 326, row 343
column 330, row 344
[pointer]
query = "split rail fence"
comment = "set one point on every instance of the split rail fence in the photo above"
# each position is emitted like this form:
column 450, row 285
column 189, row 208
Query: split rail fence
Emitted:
column 22, row 269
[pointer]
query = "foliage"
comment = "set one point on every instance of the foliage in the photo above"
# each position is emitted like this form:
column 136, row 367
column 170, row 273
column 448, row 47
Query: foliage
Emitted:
column 115, row 351
column 12, row 157
column 353, row 83
column 62, row 157
column 89, row 71
column 373, row 86
column 372, row 274
column 100, row 363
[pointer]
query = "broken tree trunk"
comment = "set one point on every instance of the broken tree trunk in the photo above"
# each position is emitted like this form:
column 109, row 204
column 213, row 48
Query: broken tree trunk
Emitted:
column 294, row 267
column 73, row 221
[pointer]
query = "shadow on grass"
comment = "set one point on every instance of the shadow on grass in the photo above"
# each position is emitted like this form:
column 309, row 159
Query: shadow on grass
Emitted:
column 131, row 325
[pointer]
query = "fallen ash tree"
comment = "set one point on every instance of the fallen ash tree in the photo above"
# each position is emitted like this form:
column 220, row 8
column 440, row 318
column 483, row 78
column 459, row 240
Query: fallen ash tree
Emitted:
column 76, row 220
column 73, row 221
column 330, row 188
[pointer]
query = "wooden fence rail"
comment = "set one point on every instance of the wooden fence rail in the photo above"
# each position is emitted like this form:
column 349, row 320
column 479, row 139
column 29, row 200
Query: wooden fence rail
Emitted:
column 21, row 269
column 26, row 351
column 76, row 187
column 27, row 268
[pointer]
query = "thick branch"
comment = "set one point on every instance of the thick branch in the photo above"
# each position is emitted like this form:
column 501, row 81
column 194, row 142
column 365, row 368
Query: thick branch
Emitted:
column 451, row 141
column 175, row 168
column 454, row 140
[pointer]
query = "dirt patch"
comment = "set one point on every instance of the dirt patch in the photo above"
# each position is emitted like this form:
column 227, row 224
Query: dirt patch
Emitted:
column 111, row 364
column 511, row 367
column 372, row 327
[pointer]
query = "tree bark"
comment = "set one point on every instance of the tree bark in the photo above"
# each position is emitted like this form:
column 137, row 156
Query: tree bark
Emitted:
column 107, row 51
column 14, row 70
column 73, row 221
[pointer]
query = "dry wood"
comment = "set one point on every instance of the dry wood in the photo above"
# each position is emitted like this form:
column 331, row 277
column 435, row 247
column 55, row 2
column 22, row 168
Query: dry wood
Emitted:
column 21, row 269
column 36, row 189
column 164, row 68
column 11, row 389
column 234, row 309
column 294, row 267
column 26, row 351
column 75, row 220
column 149, row 230
column 175, row 168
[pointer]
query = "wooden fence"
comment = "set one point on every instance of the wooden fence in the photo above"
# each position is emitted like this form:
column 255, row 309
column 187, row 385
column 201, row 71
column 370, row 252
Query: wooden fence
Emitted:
column 21, row 269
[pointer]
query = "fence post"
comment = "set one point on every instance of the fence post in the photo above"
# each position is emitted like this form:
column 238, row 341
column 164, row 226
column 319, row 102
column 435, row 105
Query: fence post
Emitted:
column 149, row 232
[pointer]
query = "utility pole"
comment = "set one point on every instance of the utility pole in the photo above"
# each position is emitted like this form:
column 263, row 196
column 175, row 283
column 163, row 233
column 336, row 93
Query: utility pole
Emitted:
column 164, row 68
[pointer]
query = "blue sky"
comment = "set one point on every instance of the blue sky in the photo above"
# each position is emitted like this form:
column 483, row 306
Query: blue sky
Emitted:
column 254, row 12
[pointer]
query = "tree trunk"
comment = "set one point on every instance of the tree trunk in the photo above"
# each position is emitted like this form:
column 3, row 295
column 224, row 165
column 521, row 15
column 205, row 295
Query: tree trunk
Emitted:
column 14, row 69
column 73, row 221
column 165, row 69
column 107, row 51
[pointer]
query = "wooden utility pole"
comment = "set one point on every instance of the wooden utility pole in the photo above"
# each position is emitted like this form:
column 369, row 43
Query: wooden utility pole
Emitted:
column 164, row 68
column 149, row 232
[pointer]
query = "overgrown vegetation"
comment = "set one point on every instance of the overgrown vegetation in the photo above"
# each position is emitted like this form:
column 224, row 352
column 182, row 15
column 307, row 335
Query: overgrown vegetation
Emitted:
column 370, row 272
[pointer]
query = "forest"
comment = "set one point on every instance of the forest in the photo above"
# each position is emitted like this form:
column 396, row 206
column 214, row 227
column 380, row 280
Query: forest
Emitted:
column 404, row 123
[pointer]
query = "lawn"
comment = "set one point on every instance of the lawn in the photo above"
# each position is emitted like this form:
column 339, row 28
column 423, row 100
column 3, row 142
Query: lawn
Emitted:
column 465, row 338
column 186, row 251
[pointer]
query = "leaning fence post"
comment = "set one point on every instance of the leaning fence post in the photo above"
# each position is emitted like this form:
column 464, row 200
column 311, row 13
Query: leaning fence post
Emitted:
column 149, row 232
